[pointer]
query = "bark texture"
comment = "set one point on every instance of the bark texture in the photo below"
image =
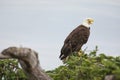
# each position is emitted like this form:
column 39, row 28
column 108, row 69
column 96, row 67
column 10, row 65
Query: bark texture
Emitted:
column 28, row 59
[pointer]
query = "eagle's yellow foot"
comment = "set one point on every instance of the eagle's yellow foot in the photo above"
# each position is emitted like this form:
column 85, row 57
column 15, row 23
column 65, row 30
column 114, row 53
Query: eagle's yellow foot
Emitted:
column 80, row 53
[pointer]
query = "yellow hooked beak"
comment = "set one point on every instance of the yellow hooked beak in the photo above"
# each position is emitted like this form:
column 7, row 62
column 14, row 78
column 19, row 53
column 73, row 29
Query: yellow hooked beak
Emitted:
column 90, row 21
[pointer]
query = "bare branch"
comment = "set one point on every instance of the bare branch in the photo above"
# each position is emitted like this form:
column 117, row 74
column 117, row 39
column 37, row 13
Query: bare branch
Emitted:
column 28, row 59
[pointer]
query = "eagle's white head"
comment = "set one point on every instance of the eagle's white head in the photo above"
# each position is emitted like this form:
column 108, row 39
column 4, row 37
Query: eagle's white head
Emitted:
column 88, row 22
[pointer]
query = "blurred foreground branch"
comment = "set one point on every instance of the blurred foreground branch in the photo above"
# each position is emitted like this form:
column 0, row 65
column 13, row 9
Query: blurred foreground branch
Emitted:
column 28, row 60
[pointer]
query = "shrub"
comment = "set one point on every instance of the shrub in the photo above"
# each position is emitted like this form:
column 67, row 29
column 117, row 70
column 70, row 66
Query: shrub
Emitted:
column 87, row 67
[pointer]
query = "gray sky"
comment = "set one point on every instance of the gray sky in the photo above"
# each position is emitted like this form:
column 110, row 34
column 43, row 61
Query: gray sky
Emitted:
column 43, row 25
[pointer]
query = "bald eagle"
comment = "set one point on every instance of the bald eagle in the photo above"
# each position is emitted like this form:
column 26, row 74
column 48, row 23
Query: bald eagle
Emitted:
column 76, row 39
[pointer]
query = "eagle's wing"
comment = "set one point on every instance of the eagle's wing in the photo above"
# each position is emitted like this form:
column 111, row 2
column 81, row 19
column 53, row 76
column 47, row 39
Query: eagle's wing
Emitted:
column 74, row 41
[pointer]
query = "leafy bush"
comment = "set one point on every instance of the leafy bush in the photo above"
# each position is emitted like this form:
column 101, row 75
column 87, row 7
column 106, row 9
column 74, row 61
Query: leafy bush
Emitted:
column 10, row 70
column 78, row 67
column 87, row 67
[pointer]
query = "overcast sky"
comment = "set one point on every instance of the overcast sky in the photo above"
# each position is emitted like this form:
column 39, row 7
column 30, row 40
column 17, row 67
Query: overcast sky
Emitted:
column 43, row 26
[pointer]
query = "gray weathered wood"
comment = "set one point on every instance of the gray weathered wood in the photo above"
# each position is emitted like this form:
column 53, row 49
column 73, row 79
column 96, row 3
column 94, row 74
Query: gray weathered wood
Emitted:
column 28, row 59
column 109, row 77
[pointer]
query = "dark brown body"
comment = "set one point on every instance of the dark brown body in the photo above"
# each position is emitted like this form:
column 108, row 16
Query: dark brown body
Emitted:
column 75, row 41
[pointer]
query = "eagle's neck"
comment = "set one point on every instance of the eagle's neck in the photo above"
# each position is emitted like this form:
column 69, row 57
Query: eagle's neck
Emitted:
column 86, row 24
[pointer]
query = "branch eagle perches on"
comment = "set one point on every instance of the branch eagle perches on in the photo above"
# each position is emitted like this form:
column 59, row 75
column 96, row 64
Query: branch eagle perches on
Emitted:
column 28, row 60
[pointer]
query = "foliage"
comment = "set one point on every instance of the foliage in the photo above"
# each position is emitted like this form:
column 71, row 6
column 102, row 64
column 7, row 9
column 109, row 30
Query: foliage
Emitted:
column 10, row 70
column 87, row 67
column 78, row 67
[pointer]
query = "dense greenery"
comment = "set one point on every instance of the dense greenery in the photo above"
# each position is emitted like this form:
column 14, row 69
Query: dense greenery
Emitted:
column 87, row 67
column 10, row 70
column 84, row 66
